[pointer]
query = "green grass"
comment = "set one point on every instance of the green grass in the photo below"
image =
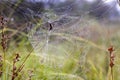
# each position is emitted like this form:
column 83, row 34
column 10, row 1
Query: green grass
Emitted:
column 75, row 52
column 69, row 56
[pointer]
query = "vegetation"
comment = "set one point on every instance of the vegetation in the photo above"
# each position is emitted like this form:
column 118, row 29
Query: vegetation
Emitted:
column 81, row 49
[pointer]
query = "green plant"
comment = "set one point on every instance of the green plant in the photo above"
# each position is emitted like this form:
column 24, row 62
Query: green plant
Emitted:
column 16, row 70
column 4, row 39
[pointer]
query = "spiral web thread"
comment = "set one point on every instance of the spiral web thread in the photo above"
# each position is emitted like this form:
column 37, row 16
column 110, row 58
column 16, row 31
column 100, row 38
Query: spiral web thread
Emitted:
column 43, row 39
column 64, row 23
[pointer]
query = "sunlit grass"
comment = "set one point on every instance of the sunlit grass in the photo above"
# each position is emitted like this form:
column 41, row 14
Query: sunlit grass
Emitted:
column 68, row 55
column 78, row 59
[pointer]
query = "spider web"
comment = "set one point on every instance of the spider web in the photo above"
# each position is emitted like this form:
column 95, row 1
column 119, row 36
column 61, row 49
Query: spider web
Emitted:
column 47, row 42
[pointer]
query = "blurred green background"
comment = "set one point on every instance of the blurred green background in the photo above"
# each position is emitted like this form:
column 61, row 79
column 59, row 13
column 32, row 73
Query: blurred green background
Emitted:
column 76, row 46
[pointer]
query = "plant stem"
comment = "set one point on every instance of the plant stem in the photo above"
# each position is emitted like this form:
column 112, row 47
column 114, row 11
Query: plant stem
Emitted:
column 4, row 57
column 112, row 74
column 4, row 64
